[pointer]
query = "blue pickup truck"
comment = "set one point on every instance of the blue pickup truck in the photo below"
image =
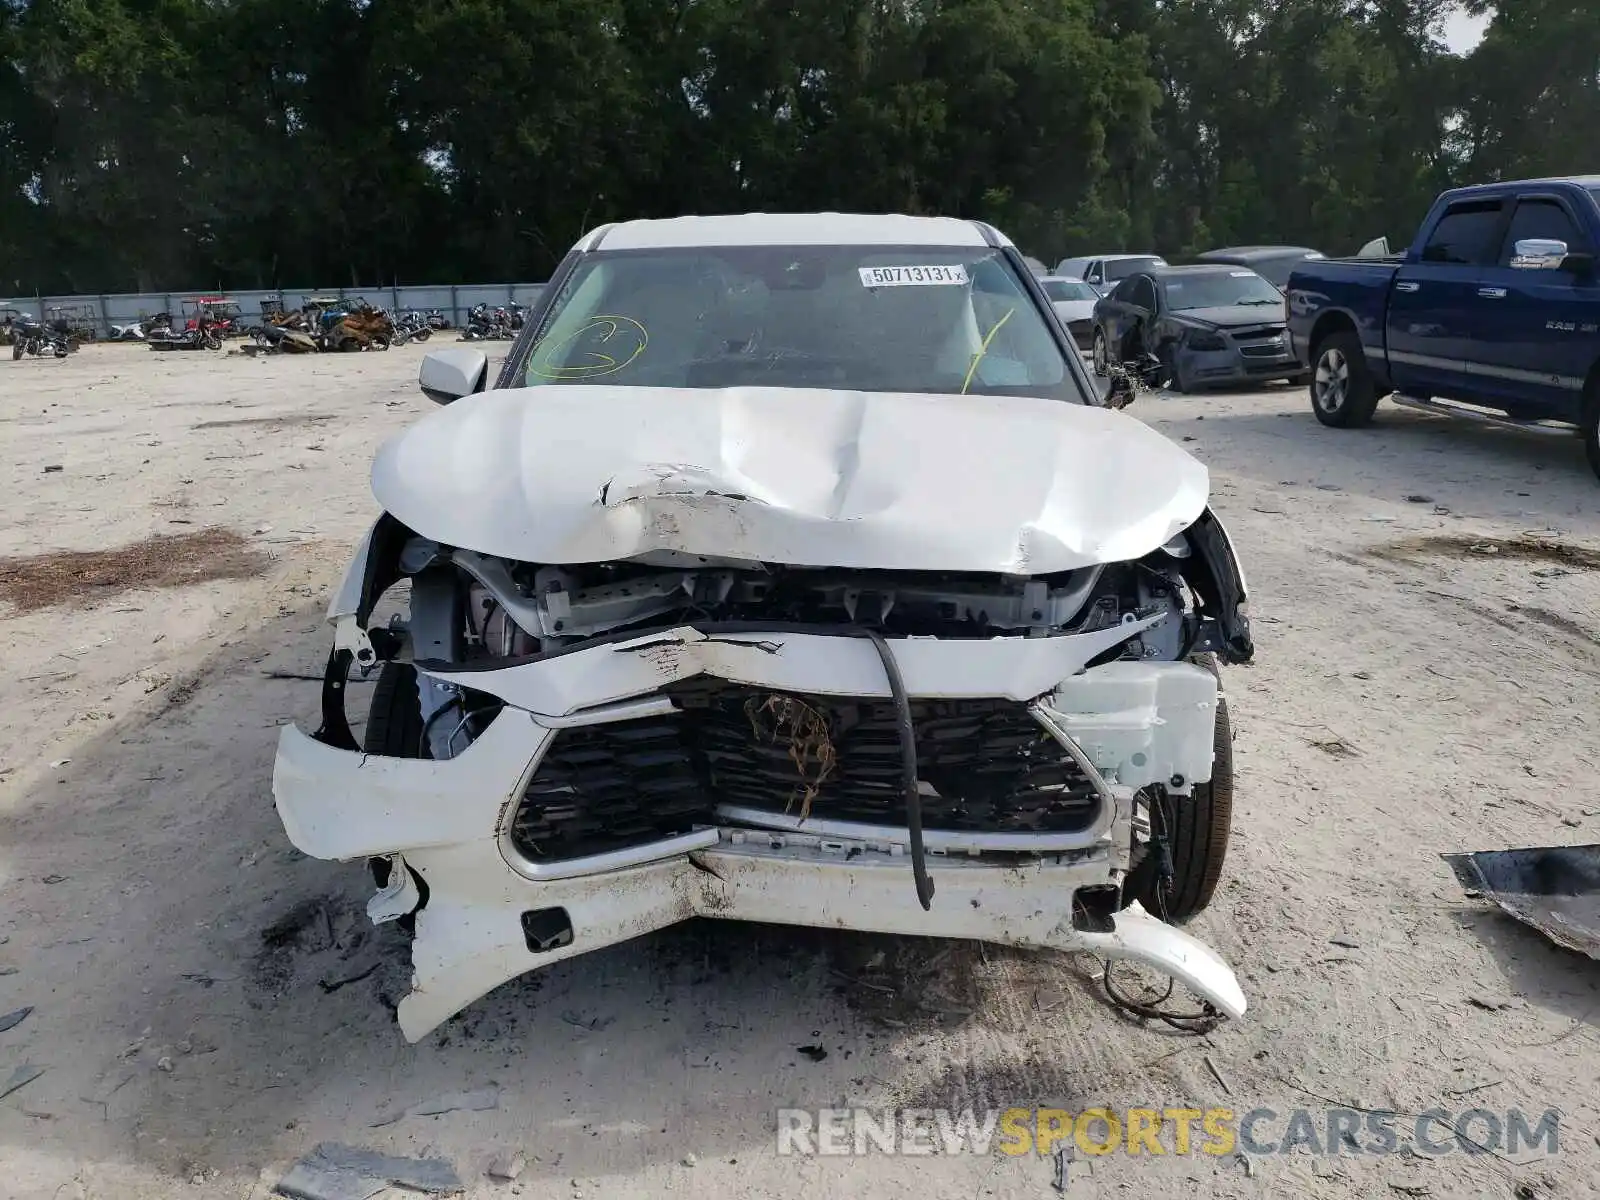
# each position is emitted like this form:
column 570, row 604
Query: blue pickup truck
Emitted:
column 1492, row 314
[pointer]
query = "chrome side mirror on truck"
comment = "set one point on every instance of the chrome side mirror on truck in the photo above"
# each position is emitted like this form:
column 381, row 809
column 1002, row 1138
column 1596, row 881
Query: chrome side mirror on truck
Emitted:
column 1550, row 254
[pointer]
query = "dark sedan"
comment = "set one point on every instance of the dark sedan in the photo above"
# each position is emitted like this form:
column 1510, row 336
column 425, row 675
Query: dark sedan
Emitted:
column 1208, row 325
column 1273, row 263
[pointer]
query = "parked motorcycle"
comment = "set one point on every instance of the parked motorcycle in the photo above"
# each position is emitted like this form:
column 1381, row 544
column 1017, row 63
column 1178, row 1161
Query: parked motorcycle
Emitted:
column 39, row 340
column 411, row 325
column 487, row 324
column 204, row 335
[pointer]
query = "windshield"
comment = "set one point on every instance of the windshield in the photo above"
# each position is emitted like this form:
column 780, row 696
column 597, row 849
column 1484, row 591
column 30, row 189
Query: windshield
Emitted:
column 869, row 318
column 1221, row 291
column 1069, row 289
column 1121, row 268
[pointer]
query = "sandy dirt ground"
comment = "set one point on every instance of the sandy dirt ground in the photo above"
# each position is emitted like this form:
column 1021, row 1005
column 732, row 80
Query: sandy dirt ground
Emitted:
column 208, row 1004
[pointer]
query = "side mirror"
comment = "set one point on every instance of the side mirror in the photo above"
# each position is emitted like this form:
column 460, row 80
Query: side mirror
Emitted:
column 447, row 375
column 1538, row 254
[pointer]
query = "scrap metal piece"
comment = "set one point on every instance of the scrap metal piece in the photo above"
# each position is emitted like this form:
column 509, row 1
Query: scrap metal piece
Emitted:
column 336, row 1172
column 1556, row 889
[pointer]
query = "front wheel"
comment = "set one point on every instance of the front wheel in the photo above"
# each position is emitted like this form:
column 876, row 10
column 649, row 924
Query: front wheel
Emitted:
column 1172, row 367
column 1097, row 353
column 1196, row 828
column 1343, row 392
column 394, row 730
column 17, row 347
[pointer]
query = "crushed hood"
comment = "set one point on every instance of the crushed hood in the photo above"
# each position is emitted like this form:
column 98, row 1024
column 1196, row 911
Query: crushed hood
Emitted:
column 588, row 473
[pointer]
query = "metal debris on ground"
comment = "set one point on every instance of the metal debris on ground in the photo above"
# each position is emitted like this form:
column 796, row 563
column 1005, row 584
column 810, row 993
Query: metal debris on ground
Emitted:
column 1063, row 1159
column 12, row 1019
column 1556, row 889
column 336, row 1172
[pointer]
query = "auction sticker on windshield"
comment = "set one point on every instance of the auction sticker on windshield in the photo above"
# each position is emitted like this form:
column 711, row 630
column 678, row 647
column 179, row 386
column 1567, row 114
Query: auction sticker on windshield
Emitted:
column 943, row 273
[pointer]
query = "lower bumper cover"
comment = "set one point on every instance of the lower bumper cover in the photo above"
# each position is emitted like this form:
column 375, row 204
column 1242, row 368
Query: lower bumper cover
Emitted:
column 1232, row 366
column 470, row 937
column 448, row 821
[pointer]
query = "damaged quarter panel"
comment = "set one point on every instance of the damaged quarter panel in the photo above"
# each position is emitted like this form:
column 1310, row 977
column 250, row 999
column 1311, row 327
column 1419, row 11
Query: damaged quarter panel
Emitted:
column 930, row 650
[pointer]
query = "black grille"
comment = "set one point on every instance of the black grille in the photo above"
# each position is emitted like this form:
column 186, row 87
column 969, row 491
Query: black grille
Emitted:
column 1259, row 333
column 985, row 765
column 602, row 787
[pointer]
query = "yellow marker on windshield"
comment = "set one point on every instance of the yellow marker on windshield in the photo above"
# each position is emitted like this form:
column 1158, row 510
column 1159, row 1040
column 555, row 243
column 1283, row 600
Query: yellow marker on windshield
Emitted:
column 633, row 342
column 984, row 349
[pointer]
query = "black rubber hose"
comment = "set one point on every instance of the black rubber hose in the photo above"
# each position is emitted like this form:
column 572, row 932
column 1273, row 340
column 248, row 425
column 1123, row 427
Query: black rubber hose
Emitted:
column 908, row 766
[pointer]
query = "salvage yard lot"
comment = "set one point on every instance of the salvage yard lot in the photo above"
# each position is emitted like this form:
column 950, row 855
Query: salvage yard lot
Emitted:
column 208, row 1004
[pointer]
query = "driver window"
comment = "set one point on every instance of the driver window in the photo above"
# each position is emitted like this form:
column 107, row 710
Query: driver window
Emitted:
column 1144, row 293
column 1540, row 218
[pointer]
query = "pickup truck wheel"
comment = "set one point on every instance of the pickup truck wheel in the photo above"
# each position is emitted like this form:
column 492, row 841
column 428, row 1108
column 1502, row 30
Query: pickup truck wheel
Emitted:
column 1097, row 353
column 1197, row 828
column 394, row 730
column 1343, row 393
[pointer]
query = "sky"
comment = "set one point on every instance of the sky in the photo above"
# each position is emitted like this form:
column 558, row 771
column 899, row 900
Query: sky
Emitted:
column 1462, row 32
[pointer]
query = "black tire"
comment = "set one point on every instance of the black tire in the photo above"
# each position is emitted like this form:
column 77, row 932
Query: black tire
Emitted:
column 394, row 721
column 1343, row 392
column 1197, row 832
column 16, row 349
column 1176, row 381
column 1099, row 353
column 394, row 729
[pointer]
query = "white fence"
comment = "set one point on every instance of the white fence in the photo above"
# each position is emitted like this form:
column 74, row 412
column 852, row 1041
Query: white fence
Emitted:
column 105, row 311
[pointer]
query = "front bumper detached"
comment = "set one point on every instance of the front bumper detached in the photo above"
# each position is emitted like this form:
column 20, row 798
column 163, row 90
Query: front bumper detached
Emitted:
column 518, row 874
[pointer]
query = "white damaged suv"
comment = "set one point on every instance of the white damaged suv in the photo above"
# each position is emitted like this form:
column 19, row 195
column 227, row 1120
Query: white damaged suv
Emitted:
column 791, row 571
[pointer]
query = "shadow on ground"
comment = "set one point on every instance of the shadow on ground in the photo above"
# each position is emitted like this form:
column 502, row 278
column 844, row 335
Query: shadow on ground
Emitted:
column 206, row 998
column 1273, row 439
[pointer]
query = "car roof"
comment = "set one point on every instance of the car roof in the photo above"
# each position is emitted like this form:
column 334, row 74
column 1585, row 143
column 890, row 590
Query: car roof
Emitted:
column 1188, row 270
column 1258, row 251
column 1062, row 279
column 791, row 229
